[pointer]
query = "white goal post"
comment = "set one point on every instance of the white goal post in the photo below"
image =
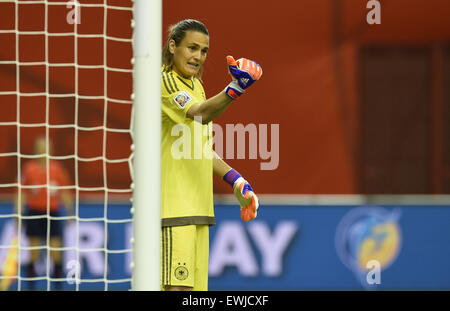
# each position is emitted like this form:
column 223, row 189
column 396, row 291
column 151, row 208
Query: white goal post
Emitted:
column 147, row 144
column 80, row 71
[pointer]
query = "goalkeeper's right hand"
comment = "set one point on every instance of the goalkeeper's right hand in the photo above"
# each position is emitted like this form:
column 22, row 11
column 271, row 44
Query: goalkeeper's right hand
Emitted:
column 244, row 73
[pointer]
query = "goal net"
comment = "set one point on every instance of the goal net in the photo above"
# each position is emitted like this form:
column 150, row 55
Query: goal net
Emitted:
column 66, row 79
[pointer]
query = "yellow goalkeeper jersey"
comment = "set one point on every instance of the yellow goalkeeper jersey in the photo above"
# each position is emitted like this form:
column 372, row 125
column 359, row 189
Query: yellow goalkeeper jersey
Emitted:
column 186, row 156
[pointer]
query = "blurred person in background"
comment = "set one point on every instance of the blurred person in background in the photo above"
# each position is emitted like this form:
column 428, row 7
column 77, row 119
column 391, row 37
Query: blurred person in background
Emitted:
column 35, row 202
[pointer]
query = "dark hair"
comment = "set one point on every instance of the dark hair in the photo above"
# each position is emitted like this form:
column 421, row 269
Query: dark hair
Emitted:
column 177, row 33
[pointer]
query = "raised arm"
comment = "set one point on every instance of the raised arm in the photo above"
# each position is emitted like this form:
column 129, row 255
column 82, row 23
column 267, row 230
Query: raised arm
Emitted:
column 210, row 109
column 244, row 73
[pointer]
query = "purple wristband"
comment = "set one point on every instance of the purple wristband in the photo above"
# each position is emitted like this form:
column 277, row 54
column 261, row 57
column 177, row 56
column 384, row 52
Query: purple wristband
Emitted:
column 231, row 177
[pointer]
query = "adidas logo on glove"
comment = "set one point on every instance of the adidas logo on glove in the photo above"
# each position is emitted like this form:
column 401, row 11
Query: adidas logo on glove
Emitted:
column 244, row 73
column 244, row 81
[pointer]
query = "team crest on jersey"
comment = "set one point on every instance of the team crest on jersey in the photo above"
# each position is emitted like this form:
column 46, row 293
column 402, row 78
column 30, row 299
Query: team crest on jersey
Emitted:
column 181, row 272
column 182, row 99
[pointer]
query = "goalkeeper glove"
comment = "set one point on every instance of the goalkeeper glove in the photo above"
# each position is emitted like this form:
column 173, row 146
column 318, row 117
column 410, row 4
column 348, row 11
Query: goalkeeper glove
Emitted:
column 244, row 72
column 244, row 193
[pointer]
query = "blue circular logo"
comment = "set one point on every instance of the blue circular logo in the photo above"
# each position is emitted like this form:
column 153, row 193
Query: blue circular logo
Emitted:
column 368, row 234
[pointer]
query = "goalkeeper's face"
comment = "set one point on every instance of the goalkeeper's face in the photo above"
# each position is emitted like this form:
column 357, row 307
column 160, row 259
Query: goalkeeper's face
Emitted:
column 190, row 54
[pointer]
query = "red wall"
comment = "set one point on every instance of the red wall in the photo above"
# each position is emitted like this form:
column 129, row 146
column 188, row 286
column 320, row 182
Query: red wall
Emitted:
column 309, row 54
column 308, row 50
column 62, row 111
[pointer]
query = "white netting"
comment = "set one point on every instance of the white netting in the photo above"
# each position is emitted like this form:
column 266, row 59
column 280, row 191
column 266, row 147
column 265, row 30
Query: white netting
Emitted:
column 66, row 75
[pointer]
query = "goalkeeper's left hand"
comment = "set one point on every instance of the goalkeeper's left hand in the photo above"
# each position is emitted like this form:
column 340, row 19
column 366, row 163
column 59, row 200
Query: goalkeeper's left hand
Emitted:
column 244, row 193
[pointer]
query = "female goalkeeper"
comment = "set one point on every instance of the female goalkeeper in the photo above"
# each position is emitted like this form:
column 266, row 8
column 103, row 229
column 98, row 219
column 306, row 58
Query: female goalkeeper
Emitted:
column 188, row 161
